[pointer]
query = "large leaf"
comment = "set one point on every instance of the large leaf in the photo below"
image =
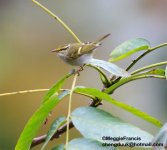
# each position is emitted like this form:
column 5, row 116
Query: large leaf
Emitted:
column 101, row 95
column 37, row 120
column 97, row 124
column 128, row 48
column 87, row 144
column 54, row 127
column 161, row 138
column 110, row 67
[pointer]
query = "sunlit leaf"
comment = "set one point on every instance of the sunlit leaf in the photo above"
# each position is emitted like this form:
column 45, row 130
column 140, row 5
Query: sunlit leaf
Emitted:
column 36, row 121
column 87, row 144
column 106, row 97
column 161, row 138
column 54, row 127
column 128, row 48
column 110, row 67
column 97, row 124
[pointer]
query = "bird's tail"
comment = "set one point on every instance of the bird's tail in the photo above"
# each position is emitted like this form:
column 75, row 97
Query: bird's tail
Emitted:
column 102, row 38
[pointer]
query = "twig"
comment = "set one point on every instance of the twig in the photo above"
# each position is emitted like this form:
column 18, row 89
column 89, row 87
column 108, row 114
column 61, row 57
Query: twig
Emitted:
column 145, row 53
column 23, row 92
column 58, row 19
column 131, row 78
column 148, row 67
column 41, row 139
column 69, row 108
column 140, row 57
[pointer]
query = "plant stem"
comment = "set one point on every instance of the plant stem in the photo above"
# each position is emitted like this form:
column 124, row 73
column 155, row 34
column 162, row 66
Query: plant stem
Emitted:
column 131, row 78
column 156, row 47
column 23, row 92
column 58, row 19
column 148, row 67
column 69, row 109
column 145, row 53
column 41, row 139
column 141, row 56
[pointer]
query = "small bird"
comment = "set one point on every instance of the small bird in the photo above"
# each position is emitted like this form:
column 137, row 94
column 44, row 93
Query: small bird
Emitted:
column 78, row 54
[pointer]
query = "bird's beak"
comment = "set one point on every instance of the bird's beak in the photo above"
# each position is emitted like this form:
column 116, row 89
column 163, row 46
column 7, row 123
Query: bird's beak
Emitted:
column 55, row 50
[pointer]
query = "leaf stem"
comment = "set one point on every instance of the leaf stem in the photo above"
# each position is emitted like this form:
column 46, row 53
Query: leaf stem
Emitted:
column 123, row 81
column 58, row 19
column 156, row 47
column 145, row 53
column 148, row 67
column 69, row 109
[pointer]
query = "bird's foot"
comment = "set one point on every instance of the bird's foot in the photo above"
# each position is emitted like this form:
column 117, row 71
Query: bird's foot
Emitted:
column 81, row 68
column 73, row 71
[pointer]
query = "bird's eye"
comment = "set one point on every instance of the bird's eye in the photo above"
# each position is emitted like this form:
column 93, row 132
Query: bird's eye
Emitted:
column 87, row 42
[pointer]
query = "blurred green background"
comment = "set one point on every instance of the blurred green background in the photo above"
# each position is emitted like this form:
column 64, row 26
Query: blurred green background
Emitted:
column 28, row 34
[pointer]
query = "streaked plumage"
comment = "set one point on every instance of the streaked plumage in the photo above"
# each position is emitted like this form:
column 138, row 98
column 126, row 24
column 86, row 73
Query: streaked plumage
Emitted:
column 78, row 54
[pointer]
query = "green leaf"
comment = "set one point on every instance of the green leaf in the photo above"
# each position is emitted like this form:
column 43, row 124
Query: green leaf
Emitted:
column 110, row 67
column 87, row 144
column 161, row 137
column 128, row 48
column 101, row 95
column 97, row 124
column 166, row 72
column 59, row 147
column 157, row 71
column 36, row 121
column 54, row 127
column 55, row 88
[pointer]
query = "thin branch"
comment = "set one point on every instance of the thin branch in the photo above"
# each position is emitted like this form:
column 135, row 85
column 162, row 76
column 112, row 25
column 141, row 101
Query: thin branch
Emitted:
column 159, row 46
column 140, row 57
column 131, row 78
column 58, row 19
column 23, row 92
column 144, row 54
column 60, row 131
column 148, row 67
column 69, row 108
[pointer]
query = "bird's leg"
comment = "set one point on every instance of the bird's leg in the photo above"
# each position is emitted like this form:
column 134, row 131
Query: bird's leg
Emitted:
column 73, row 71
column 80, row 69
